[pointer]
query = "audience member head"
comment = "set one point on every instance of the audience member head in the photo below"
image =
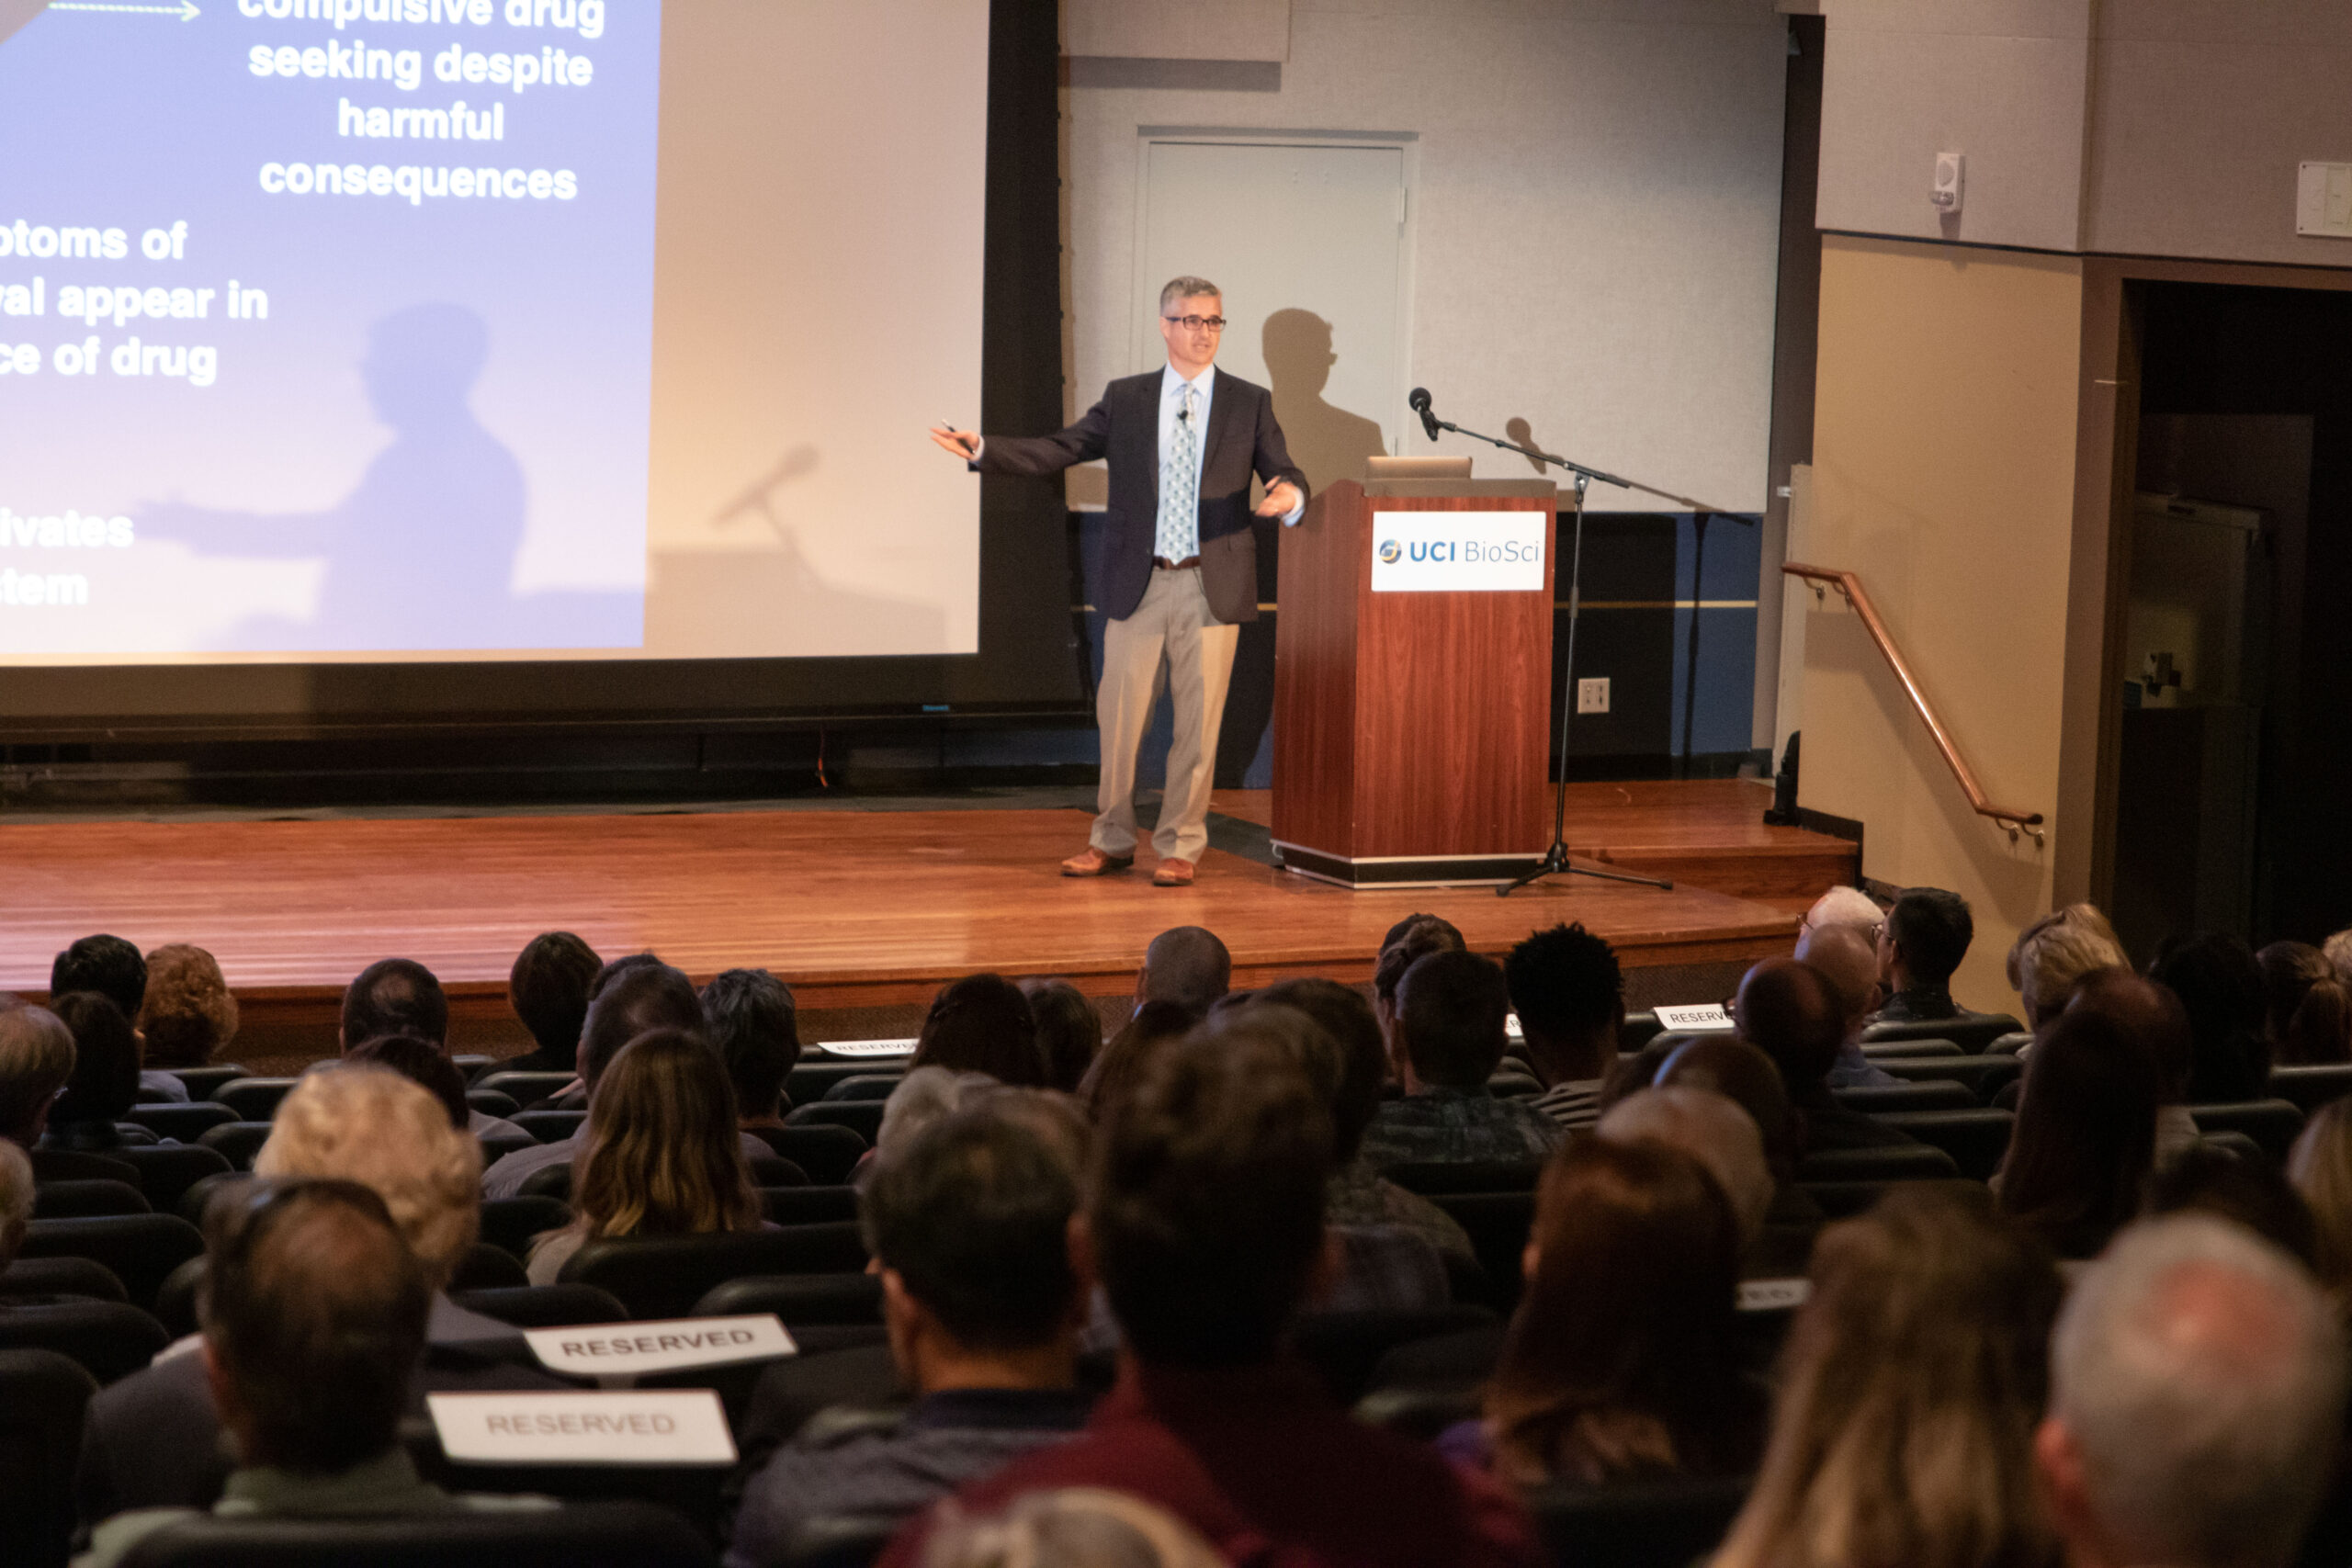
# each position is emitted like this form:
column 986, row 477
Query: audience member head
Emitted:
column 2308, row 1015
column 1844, row 906
column 423, row 1064
column 1409, row 941
column 370, row 1125
column 1069, row 1031
column 982, row 1023
column 2056, row 951
column 661, row 1155
column 2206, row 1179
column 2320, row 1166
column 1187, row 965
column 189, row 1013
column 923, row 1098
column 1791, row 1012
column 1077, row 1526
column 15, row 1200
column 969, row 1223
column 635, row 996
column 1128, row 1053
column 1745, row 1077
column 2085, row 1133
column 36, row 1061
column 1712, row 1129
column 1450, row 1031
column 2221, row 987
column 1205, row 1214
column 547, row 988
column 2196, row 1401
column 2150, row 1014
column 315, row 1310
column 748, row 1019
column 1619, row 1360
column 395, row 995
column 106, row 1061
column 1343, row 1014
column 1902, row 1425
column 2337, row 949
column 1928, row 933
column 107, row 965
column 1847, row 960
column 1570, row 994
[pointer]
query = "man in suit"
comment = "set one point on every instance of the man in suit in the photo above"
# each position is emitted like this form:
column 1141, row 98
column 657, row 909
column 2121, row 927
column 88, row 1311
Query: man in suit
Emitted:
column 1181, row 572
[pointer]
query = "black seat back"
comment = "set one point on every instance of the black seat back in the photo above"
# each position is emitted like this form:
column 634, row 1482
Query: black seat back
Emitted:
column 255, row 1099
column 2273, row 1124
column 863, row 1086
column 1637, row 1525
column 809, row 1205
column 61, row 1277
column 665, row 1276
column 107, row 1339
column 1971, row 1032
column 863, row 1117
column 1498, row 1224
column 802, row 1301
column 526, row 1088
column 590, row 1535
column 167, row 1170
column 838, row 1540
column 1982, row 1075
column 1344, row 1347
column 182, row 1124
column 1910, row 1048
column 2310, row 1088
column 202, row 1081
column 549, row 1126
column 488, row 1268
column 42, row 1398
column 811, row 1080
column 236, row 1142
column 827, row 1153
column 1879, row 1099
column 1897, row 1162
column 491, row 1102
column 1464, row 1176
column 511, row 1224
column 545, row 1306
column 141, row 1249
column 1976, row 1139
column 73, row 1200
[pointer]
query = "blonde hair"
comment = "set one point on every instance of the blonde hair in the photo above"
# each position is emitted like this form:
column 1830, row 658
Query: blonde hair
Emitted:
column 1910, row 1392
column 2337, row 949
column 370, row 1125
column 36, row 1060
column 1079, row 1527
column 2321, row 1167
column 16, row 1198
column 2056, row 951
column 188, row 1014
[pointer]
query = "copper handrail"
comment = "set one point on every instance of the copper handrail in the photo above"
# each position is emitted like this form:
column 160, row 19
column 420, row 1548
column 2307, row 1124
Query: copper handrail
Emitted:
column 1850, row 587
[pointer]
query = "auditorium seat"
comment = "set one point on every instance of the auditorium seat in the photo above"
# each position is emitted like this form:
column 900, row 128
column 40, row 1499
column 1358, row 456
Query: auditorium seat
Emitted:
column 2273, row 1124
column 79, row 1200
column 1982, row 1075
column 193, row 1203
column 690, row 1493
column 141, row 1249
column 587, row 1535
column 488, row 1268
column 498, row 1145
column 175, row 1305
column 549, row 1126
column 1970, row 1034
column 181, row 1123
column 107, row 1339
column 1638, row 1030
column 811, row 1080
column 1498, row 1224
column 863, row 1117
column 236, row 1142
column 491, row 1102
column 1879, row 1100
column 767, row 1170
column 42, row 1398
column 1344, row 1347
column 544, row 1307
column 166, row 1171
column 471, row 1065
column 1900, row 1162
column 526, row 1088
column 72, row 1165
column 255, row 1099
column 803, row 1301
column 809, row 1205
column 2008, row 1045
column 2237, row 1143
column 61, row 1277
column 1464, row 1176
column 1976, row 1139
column 1843, row 1200
column 665, row 1276
column 1421, row 1412
column 509, row 1224
column 1636, row 1524
column 837, row 1541
column 2313, row 1087
column 863, row 1086
column 1911, row 1048
column 202, row 1081
column 827, row 1153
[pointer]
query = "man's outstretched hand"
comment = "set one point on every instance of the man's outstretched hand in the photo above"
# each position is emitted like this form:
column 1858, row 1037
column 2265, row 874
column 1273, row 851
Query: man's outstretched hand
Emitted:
column 964, row 444
column 1280, row 496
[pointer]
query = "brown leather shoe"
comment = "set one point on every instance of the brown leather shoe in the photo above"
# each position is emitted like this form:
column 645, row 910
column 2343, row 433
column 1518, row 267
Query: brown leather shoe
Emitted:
column 1173, row 873
column 1095, row 862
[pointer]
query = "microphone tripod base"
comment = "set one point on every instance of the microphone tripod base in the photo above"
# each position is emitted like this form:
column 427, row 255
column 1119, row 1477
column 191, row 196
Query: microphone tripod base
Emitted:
column 1557, row 863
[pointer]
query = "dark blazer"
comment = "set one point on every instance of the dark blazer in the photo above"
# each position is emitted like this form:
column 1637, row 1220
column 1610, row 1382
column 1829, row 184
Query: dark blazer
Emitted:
column 1243, row 439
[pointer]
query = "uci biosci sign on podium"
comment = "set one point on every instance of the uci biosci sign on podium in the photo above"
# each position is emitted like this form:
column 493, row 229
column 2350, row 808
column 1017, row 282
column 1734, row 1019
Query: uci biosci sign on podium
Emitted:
column 1413, row 681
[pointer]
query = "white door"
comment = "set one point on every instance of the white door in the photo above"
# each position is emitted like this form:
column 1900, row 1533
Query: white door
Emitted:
column 1307, row 241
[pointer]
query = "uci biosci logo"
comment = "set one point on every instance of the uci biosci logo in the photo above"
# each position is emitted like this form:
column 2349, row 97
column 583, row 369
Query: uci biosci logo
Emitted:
column 1389, row 551
column 1466, row 552
column 1460, row 552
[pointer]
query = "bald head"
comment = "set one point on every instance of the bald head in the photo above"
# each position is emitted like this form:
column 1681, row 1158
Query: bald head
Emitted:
column 1187, row 965
column 1848, row 961
column 1844, row 906
column 1791, row 1012
column 1710, row 1129
column 1745, row 1076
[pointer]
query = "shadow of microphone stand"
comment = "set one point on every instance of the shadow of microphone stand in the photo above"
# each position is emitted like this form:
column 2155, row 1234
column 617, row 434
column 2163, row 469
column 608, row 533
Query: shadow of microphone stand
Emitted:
column 1556, row 859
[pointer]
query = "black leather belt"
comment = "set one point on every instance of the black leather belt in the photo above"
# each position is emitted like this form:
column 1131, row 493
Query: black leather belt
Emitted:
column 1164, row 564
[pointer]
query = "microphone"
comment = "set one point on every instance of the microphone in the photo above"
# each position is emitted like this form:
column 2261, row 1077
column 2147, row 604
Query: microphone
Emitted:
column 1418, row 401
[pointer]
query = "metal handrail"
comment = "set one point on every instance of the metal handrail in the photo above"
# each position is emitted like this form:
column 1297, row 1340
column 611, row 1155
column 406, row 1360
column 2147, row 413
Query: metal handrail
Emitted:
column 1850, row 587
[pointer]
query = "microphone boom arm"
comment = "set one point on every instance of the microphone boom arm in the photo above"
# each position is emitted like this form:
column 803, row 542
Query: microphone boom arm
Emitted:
column 1583, row 474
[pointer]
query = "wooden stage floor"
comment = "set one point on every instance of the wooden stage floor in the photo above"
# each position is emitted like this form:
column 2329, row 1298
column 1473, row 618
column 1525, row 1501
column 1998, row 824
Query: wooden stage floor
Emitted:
column 858, row 908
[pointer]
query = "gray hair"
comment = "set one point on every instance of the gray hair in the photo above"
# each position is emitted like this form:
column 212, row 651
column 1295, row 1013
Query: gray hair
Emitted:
column 1712, row 1129
column 925, row 1098
column 2201, row 1375
column 1186, row 288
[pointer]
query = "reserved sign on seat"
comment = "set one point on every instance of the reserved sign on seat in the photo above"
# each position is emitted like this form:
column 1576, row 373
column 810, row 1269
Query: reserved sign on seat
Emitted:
column 684, row 1426
column 868, row 1047
column 1705, row 1015
column 621, row 1349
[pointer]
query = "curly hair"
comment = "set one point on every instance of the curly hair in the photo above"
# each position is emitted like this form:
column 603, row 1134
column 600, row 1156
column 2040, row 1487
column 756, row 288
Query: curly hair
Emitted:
column 370, row 1125
column 188, row 1015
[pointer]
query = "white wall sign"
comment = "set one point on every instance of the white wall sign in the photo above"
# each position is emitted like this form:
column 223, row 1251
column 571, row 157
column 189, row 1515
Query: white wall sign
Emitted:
column 614, row 1349
column 1458, row 552
column 1709, row 1015
column 684, row 1426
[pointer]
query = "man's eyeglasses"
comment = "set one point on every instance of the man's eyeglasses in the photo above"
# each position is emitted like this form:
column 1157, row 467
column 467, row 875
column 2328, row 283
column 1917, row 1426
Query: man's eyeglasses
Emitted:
column 1195, row 323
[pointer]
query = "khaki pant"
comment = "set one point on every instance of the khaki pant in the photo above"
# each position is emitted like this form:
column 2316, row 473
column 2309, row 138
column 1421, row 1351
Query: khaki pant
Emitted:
column 1172, row 623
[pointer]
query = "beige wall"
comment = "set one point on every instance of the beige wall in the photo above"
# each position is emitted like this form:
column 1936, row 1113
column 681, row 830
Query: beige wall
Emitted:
column 1944, row 475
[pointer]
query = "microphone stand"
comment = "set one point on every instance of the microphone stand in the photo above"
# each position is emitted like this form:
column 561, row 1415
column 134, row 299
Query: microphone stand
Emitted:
column 1556, row 859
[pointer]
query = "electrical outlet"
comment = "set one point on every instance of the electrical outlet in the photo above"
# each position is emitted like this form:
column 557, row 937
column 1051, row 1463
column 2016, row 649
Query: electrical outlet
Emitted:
column 1592, row 695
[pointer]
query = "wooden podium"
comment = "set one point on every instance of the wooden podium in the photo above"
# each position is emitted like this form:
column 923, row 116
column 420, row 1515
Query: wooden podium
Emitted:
column 1413, row 682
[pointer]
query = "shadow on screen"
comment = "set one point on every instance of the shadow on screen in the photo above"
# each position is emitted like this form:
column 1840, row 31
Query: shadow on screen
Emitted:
column 420, row 555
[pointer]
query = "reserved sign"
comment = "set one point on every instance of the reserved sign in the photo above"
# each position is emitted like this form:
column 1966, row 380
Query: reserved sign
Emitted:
column 1773, row 1295
column 866, row 1047
column 618, row 1349
column 684, row 1426
column 1710, row 1015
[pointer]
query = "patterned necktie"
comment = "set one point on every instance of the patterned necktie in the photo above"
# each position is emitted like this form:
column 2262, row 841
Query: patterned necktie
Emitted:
column 1178, row 538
